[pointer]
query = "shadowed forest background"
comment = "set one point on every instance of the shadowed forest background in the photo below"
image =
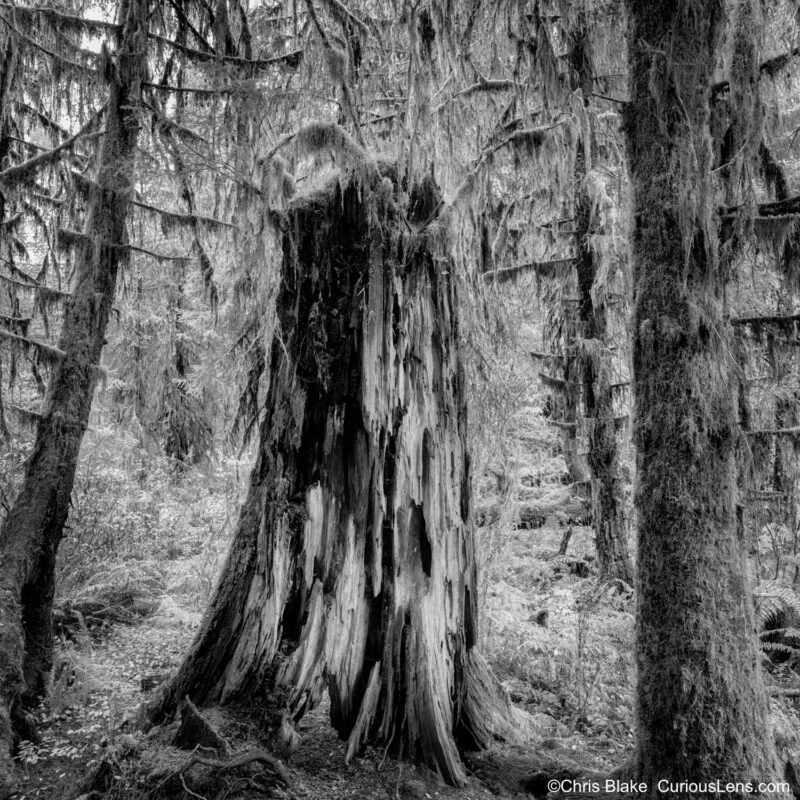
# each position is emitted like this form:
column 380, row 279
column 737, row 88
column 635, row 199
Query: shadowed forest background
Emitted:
column 399, row 399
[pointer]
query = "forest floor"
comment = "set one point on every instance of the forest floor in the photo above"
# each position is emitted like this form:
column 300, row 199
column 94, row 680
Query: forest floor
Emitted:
column 146, row 546
column 569, row 666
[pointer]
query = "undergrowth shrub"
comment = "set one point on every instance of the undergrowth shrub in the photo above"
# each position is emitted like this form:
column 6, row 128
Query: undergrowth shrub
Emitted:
column 71, row 680
column 139, row 529
column 115, row 507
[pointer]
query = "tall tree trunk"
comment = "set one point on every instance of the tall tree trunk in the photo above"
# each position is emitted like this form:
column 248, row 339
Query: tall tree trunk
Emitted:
column 701, row 703
column 595, row 365
column 8, row 64
column 608, row 502
column 353, row 566
column 8, row 67
column 35, row 524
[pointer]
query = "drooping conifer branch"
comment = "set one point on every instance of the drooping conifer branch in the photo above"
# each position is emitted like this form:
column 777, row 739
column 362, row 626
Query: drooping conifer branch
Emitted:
column 177, row 218
column 41, row 118
column 47, row 353
column 533, row 137
column 153, row 254
column 169, row 124
column 51, row 54
column 17, row 283
column 184, row 20
column 291, row 59
column 17, row 325
column 22, row 172
column 61, row 19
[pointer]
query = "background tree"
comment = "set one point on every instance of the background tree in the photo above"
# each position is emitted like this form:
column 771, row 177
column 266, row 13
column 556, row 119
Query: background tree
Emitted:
column 33, row 528
column 701, row 705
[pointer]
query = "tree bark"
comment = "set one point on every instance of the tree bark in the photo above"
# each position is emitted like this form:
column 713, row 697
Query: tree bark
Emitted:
column 701, row 704
column 353, row 566
column 34, row 526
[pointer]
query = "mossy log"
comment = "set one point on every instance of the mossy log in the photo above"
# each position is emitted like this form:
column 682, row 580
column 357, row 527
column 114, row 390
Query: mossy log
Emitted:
column 352, row 570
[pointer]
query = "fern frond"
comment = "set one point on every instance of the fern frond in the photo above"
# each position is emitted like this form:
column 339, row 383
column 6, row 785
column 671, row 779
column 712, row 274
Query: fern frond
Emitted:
column 773, row 600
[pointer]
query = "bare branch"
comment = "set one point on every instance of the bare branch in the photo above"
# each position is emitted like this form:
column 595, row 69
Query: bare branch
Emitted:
column 483, row 85
column 768, row 67
column 507, row 274
column 775, row 432
column 158, row 256
column 182, row 219
column 756, row 322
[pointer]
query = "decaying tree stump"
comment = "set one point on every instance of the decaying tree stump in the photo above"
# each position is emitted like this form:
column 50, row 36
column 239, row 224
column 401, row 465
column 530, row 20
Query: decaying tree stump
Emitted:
column 353, row 566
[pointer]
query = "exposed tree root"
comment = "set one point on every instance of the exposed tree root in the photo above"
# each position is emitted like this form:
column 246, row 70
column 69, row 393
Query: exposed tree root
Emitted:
column 219, row 767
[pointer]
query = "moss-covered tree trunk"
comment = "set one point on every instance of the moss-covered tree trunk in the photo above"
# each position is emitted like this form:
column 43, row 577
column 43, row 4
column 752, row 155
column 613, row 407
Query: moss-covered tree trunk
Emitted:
column 352, row 570
column 701, row 703
column 34, row 526
column 608, row 501
column 8, row 69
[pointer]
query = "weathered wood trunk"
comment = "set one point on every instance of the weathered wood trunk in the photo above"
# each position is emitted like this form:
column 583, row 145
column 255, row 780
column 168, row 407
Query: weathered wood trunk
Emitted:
column 701, row 703
column 353, row 567
column 34, row 526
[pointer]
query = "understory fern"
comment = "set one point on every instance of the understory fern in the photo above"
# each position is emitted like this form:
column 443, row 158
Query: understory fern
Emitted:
column 777, row 604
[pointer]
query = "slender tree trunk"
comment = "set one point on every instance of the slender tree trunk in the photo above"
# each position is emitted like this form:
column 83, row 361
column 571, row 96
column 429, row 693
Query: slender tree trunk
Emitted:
column 701, row 703
column 608, row 502
column 8, row 63
column 35, row 524
column 7, row 71
column 353, row 566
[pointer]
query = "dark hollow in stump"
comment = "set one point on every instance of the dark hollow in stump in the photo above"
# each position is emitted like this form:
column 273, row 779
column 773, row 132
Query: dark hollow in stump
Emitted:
column 353, row 566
